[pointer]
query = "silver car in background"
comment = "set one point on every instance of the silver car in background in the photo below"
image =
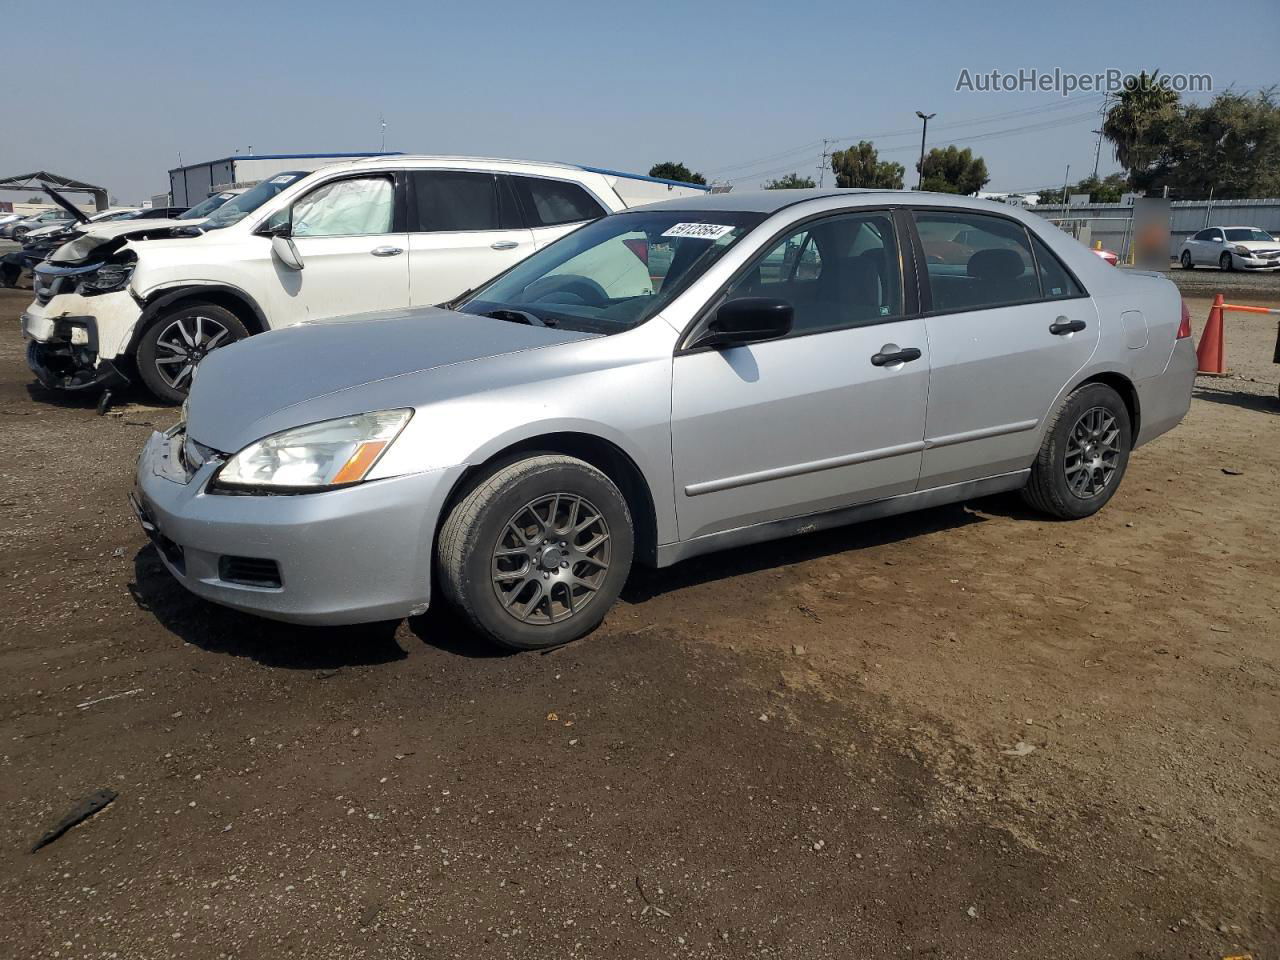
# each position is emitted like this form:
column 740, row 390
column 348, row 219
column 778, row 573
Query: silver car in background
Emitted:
column 1231, row 248
column 658, row 384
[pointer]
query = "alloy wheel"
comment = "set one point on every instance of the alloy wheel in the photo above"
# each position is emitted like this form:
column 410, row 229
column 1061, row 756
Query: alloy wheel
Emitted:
column 183, row 344
column 1093, row 453
column 551, row 558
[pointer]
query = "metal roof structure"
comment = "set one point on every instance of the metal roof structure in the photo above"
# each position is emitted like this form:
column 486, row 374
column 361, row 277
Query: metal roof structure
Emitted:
column 42, row 178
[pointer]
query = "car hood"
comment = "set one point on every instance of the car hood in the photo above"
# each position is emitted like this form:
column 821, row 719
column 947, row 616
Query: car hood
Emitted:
column 262, row 385
column 1257, row 244
column 90, row 239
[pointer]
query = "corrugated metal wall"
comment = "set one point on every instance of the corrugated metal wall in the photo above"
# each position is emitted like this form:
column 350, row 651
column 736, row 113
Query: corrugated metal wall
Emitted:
column 1109, row 222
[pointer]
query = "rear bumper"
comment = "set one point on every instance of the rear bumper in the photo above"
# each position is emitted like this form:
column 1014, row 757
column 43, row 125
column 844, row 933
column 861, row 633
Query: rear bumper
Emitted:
column 1165, row 399
column 354, row 555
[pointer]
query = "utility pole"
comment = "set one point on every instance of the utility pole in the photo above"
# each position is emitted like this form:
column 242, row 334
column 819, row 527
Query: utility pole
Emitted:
column 1097, row 154
column 926, row 117
column 822, row 164
column 383, row 120
column 1065, row 177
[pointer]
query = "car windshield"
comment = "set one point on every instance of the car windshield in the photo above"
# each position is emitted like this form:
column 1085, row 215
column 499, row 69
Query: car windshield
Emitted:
column 1246, row 234
column 236, row 209
column 615, row 273
column 205, row 207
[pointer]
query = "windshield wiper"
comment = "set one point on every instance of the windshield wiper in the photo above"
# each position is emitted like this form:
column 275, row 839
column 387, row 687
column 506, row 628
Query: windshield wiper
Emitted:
column 512, row 315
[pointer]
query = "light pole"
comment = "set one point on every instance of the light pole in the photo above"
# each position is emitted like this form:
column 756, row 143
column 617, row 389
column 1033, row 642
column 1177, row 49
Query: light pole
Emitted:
column 1097, row 154
column 926, row 117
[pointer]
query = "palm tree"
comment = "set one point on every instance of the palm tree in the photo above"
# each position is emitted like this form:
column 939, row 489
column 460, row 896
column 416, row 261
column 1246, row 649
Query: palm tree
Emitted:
column 1139, row 125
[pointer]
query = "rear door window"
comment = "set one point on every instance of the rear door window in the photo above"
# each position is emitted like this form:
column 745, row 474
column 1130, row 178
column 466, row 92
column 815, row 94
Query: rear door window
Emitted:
column 550, row 203
column 459, row 201
column 1056, row 283
column 974, row 261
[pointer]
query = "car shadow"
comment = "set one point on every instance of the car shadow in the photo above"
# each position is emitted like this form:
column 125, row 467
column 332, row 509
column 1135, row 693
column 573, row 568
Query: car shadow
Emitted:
column 646, row 583
column 222, row 630
column 1262, row 403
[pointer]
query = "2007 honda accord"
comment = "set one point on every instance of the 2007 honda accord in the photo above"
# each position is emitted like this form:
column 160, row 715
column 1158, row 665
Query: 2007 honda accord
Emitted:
column 695, row 375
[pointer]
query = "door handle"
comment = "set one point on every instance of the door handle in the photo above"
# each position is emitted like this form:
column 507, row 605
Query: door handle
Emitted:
column 1062, row 326
column 504, row 245
column 386, row 251
column 890, row 354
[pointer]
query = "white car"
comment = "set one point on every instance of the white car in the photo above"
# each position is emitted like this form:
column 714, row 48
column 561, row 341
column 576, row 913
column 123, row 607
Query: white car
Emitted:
column 371, row 234
column 1231, row 248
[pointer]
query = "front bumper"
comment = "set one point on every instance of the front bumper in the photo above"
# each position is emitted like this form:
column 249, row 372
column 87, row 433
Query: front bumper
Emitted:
column 353, row 555
column 1255, row 263
column 109, row 317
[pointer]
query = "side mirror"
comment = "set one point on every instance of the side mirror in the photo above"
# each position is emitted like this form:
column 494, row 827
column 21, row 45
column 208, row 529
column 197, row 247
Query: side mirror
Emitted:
column 746, row 320
column 283, row 247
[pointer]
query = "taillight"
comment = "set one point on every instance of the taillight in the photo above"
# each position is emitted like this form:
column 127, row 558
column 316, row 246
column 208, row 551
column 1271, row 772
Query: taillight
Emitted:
column 1184, row 328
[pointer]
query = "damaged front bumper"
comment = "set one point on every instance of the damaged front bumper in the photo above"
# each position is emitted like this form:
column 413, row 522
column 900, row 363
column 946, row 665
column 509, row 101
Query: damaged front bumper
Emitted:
column 67, row 359
column 75, row 342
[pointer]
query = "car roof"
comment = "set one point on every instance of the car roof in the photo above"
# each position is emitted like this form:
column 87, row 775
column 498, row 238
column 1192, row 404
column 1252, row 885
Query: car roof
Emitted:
column 771, row 201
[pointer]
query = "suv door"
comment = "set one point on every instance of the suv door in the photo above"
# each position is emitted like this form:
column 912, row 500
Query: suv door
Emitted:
column 352, row 253
column 816, row 420
column 1008, row 327
column 465, row 228
column 553, row 208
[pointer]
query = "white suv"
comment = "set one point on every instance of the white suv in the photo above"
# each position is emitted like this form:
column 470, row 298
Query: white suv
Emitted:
column 357, row 236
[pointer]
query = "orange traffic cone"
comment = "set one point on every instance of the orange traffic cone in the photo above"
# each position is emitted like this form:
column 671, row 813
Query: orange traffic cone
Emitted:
column 1211, row 355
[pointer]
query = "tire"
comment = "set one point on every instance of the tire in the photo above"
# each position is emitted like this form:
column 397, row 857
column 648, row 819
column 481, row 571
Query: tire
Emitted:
column 1082, row 429
column 1226, row 263
column 1186, row 260
column 489, row 565
column 158, row 353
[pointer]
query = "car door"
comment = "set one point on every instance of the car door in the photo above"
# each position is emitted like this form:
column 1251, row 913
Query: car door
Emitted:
column 826, row 417
column 553, row 208
column 1210, row 249
column 466, row 228
column 353, row 255
column 1008, row 327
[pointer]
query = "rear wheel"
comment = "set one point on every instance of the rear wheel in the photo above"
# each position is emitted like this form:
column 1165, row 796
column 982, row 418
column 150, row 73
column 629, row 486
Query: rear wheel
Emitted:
column 535, row 555
column 1186, row 260
column 1083, row 456
column 1225, row 262
column 174, row 345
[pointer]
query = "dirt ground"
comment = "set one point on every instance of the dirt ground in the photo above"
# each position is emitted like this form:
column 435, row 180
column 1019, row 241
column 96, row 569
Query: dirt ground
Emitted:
column 969, row 732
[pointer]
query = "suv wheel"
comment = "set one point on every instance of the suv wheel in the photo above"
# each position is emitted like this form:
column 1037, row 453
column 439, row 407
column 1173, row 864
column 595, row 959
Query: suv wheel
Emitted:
column 1084, row 455
column 535, row 555
column 174, row 345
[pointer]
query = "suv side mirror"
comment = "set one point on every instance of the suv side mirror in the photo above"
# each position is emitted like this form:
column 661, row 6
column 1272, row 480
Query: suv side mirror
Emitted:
column 746, row 320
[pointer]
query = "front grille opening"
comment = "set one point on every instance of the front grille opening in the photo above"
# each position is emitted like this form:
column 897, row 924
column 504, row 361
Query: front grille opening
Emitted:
column 249, row 571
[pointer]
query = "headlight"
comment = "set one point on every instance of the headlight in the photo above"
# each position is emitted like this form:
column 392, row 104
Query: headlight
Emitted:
column 332, row 453
column 1243, row 251
column 106, row 279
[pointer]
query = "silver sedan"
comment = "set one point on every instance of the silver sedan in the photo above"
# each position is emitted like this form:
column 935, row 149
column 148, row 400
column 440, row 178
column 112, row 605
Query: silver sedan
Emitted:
column 688, row 377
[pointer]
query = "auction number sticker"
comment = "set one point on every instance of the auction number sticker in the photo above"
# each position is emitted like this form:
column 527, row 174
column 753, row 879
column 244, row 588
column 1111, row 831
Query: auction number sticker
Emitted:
column 285, row 178
column 699, row 231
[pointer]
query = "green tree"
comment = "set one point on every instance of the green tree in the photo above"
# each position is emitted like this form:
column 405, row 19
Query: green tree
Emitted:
column 861, row 166
column 792, row 181
column 669, row 170
column 951, row 170
column 1109, row 189
column 1139, row 126
column 1230, row 147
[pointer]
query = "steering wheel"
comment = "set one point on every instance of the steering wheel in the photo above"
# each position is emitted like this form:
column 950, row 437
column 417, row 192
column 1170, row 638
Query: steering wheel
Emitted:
column 584, row 288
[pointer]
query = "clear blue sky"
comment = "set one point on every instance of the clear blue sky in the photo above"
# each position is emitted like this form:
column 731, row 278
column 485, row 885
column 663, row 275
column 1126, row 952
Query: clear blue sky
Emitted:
column 728, row 88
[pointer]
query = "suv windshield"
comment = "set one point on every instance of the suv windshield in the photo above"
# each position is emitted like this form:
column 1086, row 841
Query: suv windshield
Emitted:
column 236, row 209
column 615, row 273
column 1246, row 234
column 205, row 207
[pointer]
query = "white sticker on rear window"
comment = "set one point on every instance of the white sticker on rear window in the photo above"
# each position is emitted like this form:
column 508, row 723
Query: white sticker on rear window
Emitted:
column 700, row 231
column 286, row 178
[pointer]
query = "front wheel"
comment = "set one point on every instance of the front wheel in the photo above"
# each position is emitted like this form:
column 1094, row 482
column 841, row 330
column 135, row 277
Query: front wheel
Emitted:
column 1226, row 263
column 1083, row 456
column 1186, row 260
column 174, row 345
column 535, row 555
